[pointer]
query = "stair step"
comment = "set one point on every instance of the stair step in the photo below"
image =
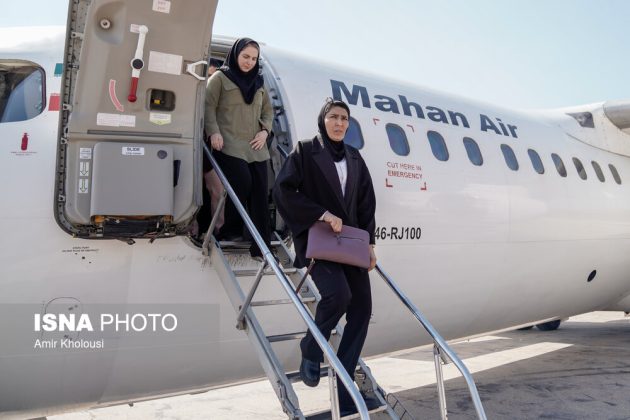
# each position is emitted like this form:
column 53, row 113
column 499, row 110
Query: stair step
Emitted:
column 291, row 336
column 249, row 272
column 281, row 301
column 285, row 337
column 242, row 245
column 327, row 414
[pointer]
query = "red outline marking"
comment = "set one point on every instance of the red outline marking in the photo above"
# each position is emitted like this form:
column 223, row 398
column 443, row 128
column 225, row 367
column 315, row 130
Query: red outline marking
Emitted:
column 387, row 184
column 375, row 120
column 424, row 188
column 112, row 96
column 411, row 126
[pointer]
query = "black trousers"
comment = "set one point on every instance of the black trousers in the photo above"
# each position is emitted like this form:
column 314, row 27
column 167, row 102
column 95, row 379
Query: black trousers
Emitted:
column 249, row 181
column 344, row 289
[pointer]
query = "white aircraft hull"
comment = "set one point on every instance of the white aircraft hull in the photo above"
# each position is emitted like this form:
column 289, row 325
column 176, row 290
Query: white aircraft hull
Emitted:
column 499, row 249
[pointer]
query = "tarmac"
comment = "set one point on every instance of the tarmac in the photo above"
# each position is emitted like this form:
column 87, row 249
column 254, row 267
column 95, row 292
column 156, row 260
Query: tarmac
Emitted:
column 580, row 371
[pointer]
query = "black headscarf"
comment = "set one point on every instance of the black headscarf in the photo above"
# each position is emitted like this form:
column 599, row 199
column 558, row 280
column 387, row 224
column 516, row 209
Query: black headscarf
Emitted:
column 249, row 82
column 335, row 148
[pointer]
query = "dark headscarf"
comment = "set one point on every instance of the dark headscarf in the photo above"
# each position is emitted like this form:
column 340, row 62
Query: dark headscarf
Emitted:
column 249, row 82
column 335, row 148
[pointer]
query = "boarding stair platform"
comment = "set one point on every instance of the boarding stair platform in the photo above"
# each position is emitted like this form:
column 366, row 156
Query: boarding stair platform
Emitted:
column 243, row 284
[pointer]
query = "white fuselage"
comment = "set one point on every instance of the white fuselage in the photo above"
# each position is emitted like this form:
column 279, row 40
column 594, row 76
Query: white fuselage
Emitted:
column 498, row 248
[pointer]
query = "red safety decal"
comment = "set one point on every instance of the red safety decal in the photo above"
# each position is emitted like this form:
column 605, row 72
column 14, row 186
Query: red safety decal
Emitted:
column 112, row 96
column 24, row 145
column 54, row 103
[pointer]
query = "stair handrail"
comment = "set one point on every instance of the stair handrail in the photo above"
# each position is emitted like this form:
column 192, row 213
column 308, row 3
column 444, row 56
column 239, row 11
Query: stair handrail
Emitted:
column 438, row 341
column 334, row 361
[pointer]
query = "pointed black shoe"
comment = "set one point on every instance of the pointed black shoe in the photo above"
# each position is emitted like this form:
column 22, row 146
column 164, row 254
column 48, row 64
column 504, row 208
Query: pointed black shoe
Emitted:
column 309, row 372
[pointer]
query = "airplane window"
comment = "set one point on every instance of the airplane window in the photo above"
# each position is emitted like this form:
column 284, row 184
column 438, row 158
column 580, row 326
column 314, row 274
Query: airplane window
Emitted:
column 474, row 154
column 397, row 139
column 615, row 174
column 557, row 160
column 510, row 157
column 22, row 90
column 580, row 168
column 354, row 136
column 598, row 171
column 536, row 162
column 438, row 145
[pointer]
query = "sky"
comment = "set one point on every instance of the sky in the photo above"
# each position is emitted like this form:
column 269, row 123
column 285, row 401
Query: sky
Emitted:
column 520, row 54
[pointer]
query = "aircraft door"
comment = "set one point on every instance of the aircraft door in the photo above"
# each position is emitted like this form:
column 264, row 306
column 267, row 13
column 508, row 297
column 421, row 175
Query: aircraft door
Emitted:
column 131, row 125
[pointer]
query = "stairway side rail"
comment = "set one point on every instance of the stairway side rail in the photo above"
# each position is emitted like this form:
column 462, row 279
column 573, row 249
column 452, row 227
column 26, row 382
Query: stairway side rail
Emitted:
column 286, row 284
column 438, row 341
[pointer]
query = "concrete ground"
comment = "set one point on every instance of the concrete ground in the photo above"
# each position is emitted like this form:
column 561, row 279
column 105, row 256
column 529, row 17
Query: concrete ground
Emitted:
column 580, row 371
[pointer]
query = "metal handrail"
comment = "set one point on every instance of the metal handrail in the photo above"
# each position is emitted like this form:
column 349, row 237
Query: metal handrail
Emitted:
column 271, row 261
column 440, row 343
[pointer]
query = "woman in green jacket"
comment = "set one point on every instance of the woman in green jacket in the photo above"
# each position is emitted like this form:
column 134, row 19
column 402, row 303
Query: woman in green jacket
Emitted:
column 238, row 117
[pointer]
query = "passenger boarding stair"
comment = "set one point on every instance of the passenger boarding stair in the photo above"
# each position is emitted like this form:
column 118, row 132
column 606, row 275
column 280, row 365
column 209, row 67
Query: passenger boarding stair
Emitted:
column 227, row 258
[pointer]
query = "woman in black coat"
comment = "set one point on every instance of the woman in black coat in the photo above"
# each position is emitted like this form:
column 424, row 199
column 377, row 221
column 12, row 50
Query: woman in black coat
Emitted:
column 325, row 179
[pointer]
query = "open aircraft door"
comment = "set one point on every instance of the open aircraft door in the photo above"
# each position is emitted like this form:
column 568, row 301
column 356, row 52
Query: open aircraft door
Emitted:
column 129, row 156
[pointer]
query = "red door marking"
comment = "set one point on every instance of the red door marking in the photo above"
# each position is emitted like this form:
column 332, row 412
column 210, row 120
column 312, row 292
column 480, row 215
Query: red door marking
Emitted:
column 24, row 145
column 54, row 102
column 387, row 184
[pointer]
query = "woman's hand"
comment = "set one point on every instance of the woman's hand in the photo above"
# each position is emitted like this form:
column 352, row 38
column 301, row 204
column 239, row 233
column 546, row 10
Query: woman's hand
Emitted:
column 216, row 141
column 260, row 139
column 372, row 258
column 335, row 223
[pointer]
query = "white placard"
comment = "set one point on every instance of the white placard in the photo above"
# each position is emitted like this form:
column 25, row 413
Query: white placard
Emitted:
column 165, row 63
column 163, row 6
column 115, row 120
column 159, row 119
column 127, row 120
column 135, row 28
column 133, row 151
column 85, row 153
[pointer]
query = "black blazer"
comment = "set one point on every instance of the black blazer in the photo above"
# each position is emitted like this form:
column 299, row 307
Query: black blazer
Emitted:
column 308, row 185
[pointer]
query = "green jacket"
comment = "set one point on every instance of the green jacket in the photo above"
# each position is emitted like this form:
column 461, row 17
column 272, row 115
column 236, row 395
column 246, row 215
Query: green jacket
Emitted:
column 227, row 113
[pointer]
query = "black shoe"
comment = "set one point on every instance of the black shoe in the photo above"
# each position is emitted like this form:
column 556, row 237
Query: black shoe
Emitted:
column 309, row 372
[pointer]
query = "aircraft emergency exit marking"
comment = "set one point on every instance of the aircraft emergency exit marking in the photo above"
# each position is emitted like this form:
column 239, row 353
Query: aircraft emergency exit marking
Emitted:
column 384, row 103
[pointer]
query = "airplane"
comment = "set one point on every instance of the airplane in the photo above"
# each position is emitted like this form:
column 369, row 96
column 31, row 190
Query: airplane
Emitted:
column 488, row 218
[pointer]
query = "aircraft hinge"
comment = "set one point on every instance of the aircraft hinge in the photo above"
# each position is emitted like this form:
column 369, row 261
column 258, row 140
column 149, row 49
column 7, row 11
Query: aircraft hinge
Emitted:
column 61, row 198
column 67, row 107
column 76, row 35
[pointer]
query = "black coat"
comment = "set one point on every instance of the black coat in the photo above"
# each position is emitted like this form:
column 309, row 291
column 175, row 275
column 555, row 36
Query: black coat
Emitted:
column 308, row 185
